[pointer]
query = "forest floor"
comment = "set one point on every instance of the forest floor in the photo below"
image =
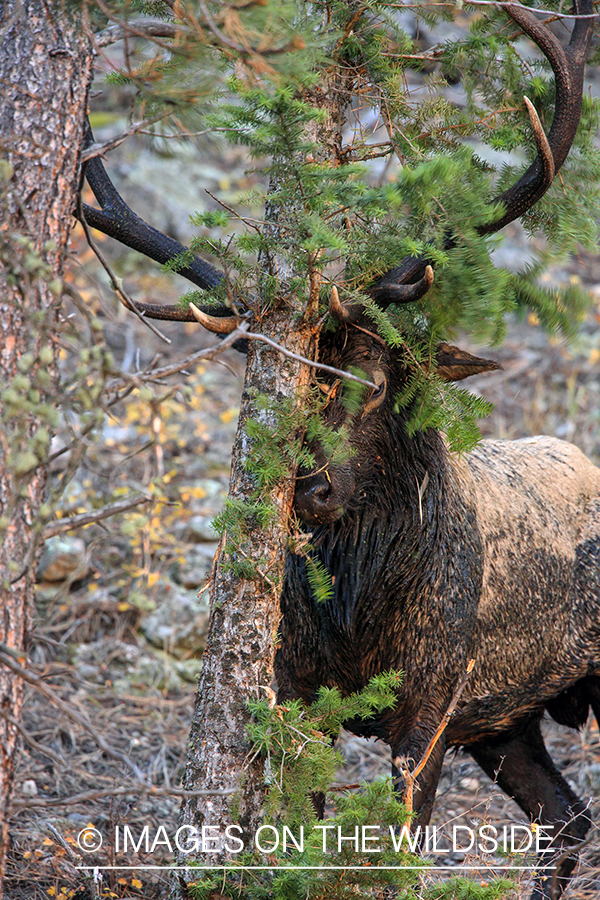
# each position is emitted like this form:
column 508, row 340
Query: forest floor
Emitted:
column 117, row 635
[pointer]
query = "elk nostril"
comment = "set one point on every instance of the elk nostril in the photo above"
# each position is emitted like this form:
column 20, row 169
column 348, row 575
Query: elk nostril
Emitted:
column 320, row 491
column 313, row 496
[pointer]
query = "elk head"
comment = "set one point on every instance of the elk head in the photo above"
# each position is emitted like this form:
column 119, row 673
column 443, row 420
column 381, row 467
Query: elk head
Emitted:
column 378, row 443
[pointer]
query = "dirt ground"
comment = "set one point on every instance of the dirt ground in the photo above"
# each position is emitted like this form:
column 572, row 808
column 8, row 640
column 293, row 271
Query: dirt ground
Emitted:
column 98, row 642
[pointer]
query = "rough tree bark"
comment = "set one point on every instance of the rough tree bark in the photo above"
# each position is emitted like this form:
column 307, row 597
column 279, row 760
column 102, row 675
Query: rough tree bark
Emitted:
column 238, row 659
column 237, row 664
column 45, row 72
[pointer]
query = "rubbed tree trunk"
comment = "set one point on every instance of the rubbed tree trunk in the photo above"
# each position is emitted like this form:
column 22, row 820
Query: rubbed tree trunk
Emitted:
column 45, row 71
column 238, row 660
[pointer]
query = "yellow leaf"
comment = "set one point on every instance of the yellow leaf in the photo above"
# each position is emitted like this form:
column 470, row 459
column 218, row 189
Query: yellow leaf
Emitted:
column 594, row 356
column 228, row 415
column 153, row 578
column 136, row 883
column 51, row 891
column 533, row 319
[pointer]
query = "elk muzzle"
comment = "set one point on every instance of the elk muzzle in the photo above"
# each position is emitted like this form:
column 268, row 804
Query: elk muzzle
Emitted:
column 321, row 496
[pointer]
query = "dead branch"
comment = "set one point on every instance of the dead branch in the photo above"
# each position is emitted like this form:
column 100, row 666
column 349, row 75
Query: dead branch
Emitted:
column 542, row 12
column 87, row 796
column 100, row 149
column 309, row 362
column 147, row 28
column 31, row 741
column 62, row 525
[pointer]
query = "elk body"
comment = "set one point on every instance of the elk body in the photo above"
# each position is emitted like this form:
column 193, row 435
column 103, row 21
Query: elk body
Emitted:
column 436, row 559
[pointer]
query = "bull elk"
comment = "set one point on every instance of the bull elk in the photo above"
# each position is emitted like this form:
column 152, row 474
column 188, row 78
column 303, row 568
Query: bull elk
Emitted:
column 436, row 560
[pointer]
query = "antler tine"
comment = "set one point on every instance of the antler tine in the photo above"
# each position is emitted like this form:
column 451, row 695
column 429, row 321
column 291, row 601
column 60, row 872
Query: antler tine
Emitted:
column 568, row 68
column 216, row 324
column 391, row 288
column 545, row 157
column 117, row 220
column 336, row 309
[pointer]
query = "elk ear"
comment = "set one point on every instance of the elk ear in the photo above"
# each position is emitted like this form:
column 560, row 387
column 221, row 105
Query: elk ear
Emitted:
column 454, row 364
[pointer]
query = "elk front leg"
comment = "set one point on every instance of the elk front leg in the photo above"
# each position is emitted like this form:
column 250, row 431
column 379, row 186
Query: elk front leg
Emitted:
column 420, row 795
column 524, row 770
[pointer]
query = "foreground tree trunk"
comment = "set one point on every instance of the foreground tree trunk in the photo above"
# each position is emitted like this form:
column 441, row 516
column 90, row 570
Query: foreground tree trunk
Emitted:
column 45, row 71
column 237, row 664
column 238, row 659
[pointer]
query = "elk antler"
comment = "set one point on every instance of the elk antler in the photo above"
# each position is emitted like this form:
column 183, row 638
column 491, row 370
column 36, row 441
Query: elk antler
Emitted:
column 412, row 278
column 568, row 66
column 404, row 293
column 117, row 220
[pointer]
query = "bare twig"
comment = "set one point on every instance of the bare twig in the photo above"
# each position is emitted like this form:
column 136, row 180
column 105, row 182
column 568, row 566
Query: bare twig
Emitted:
column 251, row 336
column 126, row 790
column 209, row 353
column 131, row 30
column 62, row 525
column 410, row 777
column 240, row 333
column 100, row 149
column 29, row 739
column 574, row 848
column 501, row 5
column 60, row 839
column 129, row 382
column 222, row 38
column 116, row 284
column 542, row 12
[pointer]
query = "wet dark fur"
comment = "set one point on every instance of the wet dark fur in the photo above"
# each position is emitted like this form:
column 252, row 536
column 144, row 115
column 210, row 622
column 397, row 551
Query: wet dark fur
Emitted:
column 500, row 563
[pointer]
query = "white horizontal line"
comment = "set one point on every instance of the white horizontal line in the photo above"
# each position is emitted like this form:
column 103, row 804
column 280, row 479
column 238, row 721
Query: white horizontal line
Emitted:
column 195, row 868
